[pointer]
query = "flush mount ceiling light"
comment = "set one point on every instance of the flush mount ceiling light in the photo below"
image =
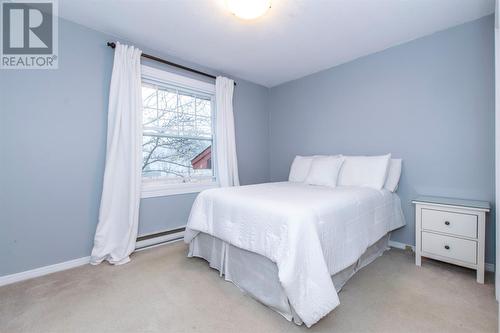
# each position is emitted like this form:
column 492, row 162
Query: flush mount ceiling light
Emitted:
column 248, row 9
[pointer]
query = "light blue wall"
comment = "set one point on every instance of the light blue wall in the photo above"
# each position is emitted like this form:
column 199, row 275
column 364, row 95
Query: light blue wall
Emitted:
column 429, row 101
column 52, row 149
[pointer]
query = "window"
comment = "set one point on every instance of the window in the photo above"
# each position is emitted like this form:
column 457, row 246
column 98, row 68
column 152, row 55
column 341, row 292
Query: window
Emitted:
column 178, row 134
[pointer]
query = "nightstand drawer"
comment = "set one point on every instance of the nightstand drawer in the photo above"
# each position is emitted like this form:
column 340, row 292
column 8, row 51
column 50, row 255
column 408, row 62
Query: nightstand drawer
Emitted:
column 451, row 223
column 450, row 247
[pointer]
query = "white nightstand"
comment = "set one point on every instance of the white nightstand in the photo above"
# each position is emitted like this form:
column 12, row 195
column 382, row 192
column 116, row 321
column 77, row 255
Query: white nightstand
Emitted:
column 451, row 230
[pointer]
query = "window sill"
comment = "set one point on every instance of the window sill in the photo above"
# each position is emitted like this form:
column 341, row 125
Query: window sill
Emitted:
column 152, row 190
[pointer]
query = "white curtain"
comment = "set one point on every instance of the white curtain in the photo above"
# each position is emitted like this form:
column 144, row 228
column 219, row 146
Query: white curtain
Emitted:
column 116, row 232
column 227, row 164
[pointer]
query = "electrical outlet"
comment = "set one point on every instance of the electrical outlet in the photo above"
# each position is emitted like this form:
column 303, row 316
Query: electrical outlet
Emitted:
column 408, row 248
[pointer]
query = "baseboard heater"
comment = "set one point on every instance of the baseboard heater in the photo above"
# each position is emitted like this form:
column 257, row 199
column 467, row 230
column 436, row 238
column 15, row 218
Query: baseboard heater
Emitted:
column 158, row 238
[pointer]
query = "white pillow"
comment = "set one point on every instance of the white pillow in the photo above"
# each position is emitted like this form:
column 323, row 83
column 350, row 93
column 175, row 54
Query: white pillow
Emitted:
column 393, row 175
column 300, row 168
column 364, row 171
column 324, row 171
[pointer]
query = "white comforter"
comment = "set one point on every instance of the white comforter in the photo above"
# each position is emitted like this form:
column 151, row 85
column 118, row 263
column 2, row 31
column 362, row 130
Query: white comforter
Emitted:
column 310, row 232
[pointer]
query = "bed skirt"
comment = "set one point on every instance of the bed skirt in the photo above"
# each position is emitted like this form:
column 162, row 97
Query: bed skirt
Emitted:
column 257, row 276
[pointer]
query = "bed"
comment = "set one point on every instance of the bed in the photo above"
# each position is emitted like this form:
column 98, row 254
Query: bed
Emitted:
column 290, row 245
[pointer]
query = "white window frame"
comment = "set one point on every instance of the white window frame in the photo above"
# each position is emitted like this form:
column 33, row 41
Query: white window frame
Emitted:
column 151, row 188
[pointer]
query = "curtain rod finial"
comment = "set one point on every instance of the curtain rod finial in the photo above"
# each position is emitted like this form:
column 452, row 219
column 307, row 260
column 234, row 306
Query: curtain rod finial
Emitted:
column 111, row 44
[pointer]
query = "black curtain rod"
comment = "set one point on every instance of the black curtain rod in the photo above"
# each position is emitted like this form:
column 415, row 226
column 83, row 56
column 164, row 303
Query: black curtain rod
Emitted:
column 166, row 62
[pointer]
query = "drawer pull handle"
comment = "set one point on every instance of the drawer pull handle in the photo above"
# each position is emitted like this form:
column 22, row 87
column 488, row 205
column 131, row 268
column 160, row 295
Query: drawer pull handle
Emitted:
column 447, row 247
column 447, row 222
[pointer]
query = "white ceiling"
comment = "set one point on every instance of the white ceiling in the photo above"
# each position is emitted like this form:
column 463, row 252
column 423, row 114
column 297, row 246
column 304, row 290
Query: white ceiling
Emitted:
column 295, row 38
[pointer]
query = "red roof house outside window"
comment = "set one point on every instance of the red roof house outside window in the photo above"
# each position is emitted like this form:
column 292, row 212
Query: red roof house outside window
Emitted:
column 203, row 160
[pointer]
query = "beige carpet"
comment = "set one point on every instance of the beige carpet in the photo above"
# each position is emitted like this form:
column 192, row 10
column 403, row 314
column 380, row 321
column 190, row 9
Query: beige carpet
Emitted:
column 163, row 291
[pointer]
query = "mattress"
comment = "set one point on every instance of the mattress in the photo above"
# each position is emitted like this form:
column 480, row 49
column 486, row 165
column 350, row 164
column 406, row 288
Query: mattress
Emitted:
column 309, row 232
column 257, row 276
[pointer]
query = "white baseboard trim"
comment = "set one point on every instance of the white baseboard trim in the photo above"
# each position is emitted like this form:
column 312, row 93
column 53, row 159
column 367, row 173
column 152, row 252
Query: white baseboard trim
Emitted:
column 41, row 271
column 33, row 273
column 487, row 266
column 141, row 245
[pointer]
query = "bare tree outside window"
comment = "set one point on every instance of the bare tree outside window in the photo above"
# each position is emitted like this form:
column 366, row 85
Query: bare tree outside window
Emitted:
column 177, row 137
